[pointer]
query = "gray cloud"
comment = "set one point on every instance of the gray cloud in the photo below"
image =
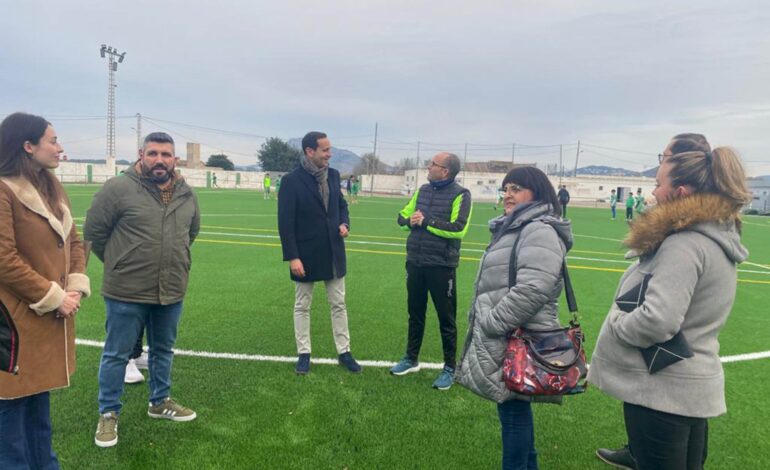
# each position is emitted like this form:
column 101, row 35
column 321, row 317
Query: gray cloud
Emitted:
column 619, row 74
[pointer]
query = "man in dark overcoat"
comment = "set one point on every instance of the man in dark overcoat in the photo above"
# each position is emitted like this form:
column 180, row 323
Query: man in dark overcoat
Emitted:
column 313, row 222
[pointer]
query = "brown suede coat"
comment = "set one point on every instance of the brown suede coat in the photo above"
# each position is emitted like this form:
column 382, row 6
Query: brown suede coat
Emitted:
column 41, row 257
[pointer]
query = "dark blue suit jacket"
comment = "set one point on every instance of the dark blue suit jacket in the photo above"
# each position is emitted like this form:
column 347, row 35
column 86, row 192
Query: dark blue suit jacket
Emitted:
column 309, row 232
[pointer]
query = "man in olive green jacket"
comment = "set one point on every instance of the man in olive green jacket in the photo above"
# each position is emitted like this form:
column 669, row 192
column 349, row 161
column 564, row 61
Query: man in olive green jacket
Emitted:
column 141, row 225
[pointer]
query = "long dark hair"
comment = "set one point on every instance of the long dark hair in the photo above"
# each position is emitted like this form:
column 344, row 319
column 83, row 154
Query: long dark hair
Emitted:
column 535, row 180
column 15, row 130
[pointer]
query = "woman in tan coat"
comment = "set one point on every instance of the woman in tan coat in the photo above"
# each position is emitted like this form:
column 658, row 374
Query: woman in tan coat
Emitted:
column 41, row 283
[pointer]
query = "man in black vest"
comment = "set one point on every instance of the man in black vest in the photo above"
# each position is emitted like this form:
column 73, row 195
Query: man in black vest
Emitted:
column 313, row 222
column 438, row 216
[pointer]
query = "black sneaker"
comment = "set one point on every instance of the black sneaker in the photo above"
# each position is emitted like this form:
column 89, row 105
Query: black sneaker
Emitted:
column 620, row 458
column 346, row 360
column 303, row 364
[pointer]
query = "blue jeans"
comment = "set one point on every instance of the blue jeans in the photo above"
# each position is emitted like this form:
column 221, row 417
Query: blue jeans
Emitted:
column 25, row 434
column 614, row 211
column 125, row 321
column 518, row 433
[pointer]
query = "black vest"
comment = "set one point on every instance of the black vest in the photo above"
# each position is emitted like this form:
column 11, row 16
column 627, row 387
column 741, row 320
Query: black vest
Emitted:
column 424, row 248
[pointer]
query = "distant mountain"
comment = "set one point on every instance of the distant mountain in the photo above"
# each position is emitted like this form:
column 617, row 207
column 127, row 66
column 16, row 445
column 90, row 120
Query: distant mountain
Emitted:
column 342, row 160
column 600, row 170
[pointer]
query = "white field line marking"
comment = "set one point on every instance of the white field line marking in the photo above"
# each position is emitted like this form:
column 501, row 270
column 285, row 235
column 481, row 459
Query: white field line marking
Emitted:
column 754, row 223
column 401, row 245
column 627, row 263
column 598, row 238
column 265, row 358
column 746, row 357
column 757, row 265
column 253, row 235
column 326, row 361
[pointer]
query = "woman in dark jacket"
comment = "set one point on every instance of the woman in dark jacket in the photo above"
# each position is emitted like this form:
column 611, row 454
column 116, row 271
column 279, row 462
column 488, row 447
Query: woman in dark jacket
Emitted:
column 533, row 218
column 41, row 284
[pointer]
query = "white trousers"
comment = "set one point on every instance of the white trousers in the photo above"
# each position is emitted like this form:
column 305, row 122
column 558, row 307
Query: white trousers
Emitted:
column 303, row 298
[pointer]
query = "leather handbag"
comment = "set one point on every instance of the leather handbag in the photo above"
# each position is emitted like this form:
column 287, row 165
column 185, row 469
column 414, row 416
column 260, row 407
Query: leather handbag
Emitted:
column 546, row 362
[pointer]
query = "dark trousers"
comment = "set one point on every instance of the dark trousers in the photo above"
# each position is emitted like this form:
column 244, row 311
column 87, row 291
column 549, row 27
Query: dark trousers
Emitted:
column 665, row 441
column 563, row 209
column 629, row 213
column 25, row 434
column 440, row 282
column 518, row 432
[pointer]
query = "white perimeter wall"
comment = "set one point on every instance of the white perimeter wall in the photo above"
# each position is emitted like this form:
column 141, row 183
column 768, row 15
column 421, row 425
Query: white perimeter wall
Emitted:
column 594, row 190
column 70, row 172
column 483, row 186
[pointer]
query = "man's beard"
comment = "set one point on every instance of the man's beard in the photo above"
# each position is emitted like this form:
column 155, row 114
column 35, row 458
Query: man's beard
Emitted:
column 159, row 179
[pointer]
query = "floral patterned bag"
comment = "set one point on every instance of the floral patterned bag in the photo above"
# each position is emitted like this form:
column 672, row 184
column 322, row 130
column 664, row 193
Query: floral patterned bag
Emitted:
column 546, row 362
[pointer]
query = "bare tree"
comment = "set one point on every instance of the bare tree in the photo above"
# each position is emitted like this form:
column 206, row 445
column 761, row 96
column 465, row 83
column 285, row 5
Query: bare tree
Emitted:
column 370, row 164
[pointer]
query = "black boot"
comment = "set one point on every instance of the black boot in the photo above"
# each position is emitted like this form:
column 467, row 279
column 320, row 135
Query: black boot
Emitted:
column 620, row 458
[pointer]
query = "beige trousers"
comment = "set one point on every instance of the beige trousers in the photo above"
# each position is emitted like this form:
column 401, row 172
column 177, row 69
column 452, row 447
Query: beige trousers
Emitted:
column 303, row 298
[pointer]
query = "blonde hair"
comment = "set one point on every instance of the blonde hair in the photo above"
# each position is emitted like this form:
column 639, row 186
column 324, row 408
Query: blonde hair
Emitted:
column 717, row 172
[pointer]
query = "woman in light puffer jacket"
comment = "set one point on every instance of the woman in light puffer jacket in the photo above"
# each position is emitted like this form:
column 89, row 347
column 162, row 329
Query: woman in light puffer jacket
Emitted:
column 688, row 248
column 533, row 217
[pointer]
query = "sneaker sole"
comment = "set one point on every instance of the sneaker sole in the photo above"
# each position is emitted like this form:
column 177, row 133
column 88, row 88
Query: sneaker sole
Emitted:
column 133, row 380
column 614, row 464
column 173, row 418
column 407, row 371
column 442, row 388
column 104, row 444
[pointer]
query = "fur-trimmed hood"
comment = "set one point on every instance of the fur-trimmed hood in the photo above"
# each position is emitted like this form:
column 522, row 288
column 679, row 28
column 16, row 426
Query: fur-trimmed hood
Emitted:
column 709, row 214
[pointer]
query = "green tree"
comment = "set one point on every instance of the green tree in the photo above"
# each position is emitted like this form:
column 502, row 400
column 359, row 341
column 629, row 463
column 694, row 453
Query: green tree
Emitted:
column 276, row 155
column 220, row 160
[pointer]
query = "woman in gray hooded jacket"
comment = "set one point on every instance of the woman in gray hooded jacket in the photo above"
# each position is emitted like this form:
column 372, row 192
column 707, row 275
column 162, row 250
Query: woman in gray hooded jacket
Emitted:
column 684, row 282
column 533, row 218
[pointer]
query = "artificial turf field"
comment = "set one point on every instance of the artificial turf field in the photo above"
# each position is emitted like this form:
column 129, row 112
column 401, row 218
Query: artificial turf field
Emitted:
column 259, row 414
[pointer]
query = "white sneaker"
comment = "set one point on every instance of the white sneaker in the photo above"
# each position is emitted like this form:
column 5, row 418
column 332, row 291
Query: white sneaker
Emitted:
column 141, row 361
column 133, row 375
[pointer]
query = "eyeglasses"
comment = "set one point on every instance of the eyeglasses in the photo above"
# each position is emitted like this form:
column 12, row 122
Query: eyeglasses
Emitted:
column 513, row 188
column 662, row 157
column 432, row 164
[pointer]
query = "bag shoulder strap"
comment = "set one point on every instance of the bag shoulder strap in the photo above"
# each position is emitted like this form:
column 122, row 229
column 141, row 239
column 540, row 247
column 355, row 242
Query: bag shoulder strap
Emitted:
column 569, row 292
column 512, row 262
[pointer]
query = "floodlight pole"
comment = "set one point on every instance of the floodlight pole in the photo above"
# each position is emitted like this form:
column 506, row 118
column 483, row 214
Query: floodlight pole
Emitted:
column 138, row 133
column 465, row 162
column 577, row 157
column 374, row 161
column 113, row 59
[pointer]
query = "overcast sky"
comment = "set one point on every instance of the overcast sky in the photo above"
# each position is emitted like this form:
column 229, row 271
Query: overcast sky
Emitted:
column 617, row 74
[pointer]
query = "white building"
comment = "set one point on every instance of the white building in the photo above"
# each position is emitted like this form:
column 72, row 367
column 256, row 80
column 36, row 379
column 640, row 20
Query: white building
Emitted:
column 760, row 194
